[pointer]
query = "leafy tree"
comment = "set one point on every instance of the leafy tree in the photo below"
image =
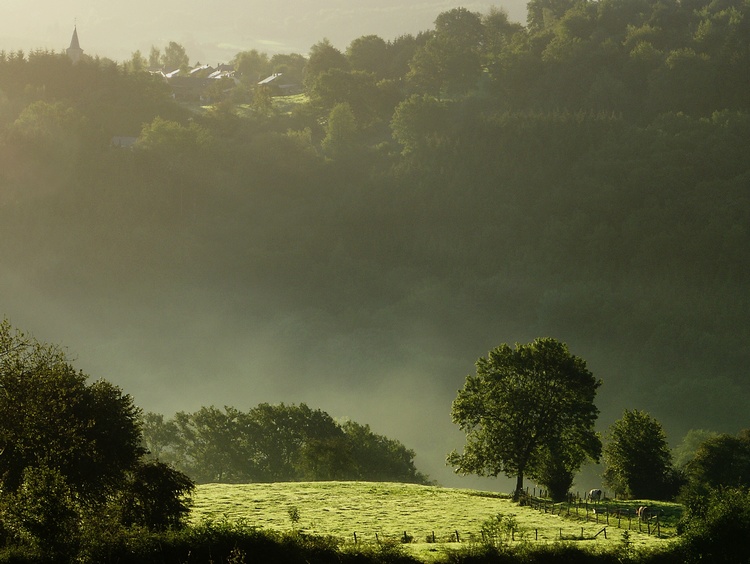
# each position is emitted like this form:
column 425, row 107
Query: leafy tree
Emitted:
column 462, row 25
column 378, row 458
column 137, row 62
column 721, row 461
column 173, row 141
column 689, row 445
column 290, row 65
column 444, row 65
column 252, row 66
column 50, row 417
column 369, row 53
column 524, row 403
column 154, row 57
column 637, row 458
column 420, row 122
column 357, row 89
column 498, row 31
column 156, row 497
column 174, row 57
column 341, row 132
column 43, row 514
column 70, row 452
column 158, row 436
column 323, row 57
column 544, row 13
column 206, row 444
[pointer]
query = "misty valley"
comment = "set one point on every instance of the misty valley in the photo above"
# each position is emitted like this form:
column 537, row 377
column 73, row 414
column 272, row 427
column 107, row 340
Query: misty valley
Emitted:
column 213, row 249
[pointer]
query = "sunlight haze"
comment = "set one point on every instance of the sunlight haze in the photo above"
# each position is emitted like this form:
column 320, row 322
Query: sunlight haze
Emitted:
column 214, row 33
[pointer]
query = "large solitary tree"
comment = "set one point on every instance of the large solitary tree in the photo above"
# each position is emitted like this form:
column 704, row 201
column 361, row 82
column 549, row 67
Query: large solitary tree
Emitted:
column 525, row 407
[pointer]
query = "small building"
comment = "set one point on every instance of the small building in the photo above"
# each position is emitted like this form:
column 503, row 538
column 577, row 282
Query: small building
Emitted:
column 278, row 85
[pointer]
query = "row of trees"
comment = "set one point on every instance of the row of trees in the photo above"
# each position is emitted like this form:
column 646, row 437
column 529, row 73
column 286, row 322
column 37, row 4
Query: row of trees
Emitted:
column 529, row 411
column 271, row 443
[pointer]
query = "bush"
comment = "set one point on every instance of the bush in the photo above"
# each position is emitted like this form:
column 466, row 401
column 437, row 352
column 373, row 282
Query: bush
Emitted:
column 715, row 527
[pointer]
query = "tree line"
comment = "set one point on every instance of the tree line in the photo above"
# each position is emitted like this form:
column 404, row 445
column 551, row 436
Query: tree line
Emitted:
column 275, row 443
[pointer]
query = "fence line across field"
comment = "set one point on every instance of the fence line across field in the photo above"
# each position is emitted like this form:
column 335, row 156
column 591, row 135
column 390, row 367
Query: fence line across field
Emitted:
column 597, row 512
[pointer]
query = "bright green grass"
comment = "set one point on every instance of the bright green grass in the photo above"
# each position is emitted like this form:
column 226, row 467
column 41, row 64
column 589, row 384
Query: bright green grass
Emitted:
column 341, row 509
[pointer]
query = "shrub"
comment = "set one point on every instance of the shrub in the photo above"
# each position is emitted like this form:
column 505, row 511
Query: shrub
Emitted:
column 715, row 527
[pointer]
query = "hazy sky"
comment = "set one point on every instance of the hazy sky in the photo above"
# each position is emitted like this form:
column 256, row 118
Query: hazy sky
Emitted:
column 213, row 32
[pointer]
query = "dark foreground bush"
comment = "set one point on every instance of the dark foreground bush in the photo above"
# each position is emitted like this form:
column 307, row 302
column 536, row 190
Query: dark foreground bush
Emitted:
column 559, row 553
column 716, row 527
column 233, row 543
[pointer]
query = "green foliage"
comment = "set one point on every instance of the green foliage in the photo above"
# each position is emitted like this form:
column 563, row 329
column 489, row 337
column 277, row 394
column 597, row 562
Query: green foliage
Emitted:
column 51, row 418
column 276, row 443
column 523, row 403
column 341, row 132
column 252, row 66
column 323, row 57
column 689, row 445
column 43, row 514
column 637, row 458
column 715, row 526
column 71, row 453
column 369, row 53
column 721, row 461
column 500, row 530
column 155, row 497
column 174, row 57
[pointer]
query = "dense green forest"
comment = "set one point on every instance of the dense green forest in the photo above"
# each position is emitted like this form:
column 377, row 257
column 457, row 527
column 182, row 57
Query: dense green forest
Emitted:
column 583, row 176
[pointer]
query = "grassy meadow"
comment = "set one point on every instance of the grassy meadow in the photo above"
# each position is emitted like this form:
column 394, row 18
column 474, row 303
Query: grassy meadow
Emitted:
column 383, row 512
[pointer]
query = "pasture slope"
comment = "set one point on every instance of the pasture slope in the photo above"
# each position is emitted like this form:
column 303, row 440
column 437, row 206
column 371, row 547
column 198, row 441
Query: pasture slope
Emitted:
column 381, row 512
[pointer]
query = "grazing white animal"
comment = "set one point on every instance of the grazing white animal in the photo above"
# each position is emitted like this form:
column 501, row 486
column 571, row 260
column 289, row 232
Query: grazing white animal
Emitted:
column 595, row 495
column 643, row 513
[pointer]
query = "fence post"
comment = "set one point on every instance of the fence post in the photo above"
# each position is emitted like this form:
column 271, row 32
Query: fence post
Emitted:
column 458, row 539
column 355, row 537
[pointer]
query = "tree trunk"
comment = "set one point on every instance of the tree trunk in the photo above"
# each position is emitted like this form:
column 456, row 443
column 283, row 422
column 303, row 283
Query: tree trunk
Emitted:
column 519, row 486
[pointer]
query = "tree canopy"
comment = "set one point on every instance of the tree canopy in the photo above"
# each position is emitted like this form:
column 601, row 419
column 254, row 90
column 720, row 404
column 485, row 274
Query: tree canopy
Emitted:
column 276, row 443
column 637, row 458
column 528, row 410
column 72, row 450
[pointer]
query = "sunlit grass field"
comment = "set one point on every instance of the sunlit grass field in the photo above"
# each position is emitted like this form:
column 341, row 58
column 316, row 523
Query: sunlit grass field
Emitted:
column 385, row 512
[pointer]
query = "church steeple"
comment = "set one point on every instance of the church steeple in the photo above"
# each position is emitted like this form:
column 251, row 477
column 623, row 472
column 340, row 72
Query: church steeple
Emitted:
column 74, row 51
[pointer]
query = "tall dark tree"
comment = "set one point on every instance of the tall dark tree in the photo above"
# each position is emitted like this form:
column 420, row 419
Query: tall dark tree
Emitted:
column 522, row 404
column 637, row 458
column 71, row 452
column 50, row 417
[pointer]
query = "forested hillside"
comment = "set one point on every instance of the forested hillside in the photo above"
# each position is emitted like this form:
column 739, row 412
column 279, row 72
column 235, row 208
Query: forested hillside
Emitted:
column 584, row 176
